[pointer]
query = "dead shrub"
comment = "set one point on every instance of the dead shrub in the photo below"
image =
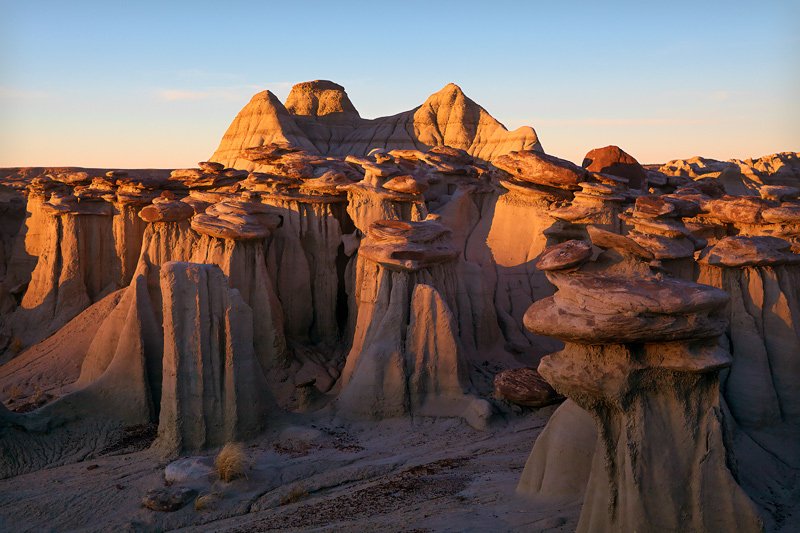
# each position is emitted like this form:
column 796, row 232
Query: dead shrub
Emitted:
column 231, row 462
column 296, row 493
column 204, row 502
column 38, row 396
column 14, row 392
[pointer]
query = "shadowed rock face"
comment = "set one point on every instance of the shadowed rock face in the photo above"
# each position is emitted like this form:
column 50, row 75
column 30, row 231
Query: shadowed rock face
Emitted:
column 318, row 116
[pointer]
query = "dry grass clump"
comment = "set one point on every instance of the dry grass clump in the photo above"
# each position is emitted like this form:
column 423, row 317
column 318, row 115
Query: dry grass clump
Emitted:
column 204, row 502
column 14, row 392
column 297, row 492
column 231, row 462
column 39, row 397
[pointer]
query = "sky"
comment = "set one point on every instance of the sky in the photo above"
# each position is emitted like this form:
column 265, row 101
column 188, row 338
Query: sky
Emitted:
column 123, row 84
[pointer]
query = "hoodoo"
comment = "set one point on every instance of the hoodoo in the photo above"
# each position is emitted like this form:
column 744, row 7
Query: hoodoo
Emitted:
column 430, row 270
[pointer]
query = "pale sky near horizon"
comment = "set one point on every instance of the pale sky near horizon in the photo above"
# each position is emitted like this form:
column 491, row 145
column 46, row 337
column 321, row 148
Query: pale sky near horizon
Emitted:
column 156, row 84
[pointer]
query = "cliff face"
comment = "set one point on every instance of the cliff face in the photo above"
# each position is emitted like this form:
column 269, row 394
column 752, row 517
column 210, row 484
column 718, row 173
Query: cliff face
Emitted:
column 319, row 116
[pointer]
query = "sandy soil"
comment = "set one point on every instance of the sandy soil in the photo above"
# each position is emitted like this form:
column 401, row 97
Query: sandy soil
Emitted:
column 315, row 473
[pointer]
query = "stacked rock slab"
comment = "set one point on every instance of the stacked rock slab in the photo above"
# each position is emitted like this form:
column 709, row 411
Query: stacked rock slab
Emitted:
column 762, row 389
column 597, row 203
column 305, row 258
column 641, row 357
column 406, row 355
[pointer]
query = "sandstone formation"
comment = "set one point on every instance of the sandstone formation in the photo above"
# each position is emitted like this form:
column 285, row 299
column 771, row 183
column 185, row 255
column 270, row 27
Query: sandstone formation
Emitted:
column 615, row 161
column 319, row 117
column 761, row 388
column 525, row 386
column 740, row 177
column 641, row 358
column 213, row 390
column 406, row 355
column 419, row 265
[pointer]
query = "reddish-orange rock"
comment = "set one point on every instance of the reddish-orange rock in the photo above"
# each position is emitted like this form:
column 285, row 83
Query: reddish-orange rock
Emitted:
column 525, row 386
column 565, row 255
column 542, row 169
column 406, row 184
column 615, row 161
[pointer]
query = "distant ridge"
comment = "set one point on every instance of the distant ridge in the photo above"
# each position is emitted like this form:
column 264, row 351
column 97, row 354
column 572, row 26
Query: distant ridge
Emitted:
column 318, row 116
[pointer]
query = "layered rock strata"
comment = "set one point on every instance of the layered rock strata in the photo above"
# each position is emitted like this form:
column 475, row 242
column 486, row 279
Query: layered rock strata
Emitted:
column 406, row 355
column 761, row 389
column 641, row 357
column 319, row 117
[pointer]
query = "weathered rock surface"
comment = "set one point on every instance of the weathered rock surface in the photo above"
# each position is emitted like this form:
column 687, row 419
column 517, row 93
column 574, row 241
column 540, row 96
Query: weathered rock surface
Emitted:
column 406, row 355
column 213, row 390
column 565, row 255
column 384, row 268
column 636, row 388
column 319, row 117
column 525, row 386
column 606, row 309
column 168, row 500
column 541, row 169
column 615, row 161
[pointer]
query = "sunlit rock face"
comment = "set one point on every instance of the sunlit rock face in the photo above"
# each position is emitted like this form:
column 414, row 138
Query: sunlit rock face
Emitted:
column 740, row 177
column 319, row 117
column 642, row 359
column 615, row 161
column 406, row 355
column 762, row 388
column 417, row 265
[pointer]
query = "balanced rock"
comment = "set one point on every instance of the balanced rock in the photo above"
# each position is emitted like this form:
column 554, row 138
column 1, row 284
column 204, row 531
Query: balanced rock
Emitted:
column 565, row 255
column 615, row 161
column 654, row 398
column 542, row 169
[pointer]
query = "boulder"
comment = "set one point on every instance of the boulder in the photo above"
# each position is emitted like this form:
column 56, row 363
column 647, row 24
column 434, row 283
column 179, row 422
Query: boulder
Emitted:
column 541, row 169
column 615, row 161
column 525, row 386
column 190, row 469
column 565, row 255
column 168, row 500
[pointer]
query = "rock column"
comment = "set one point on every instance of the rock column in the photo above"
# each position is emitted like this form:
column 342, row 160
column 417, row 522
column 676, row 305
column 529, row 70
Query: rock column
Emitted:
column 641, row 357
column 406, row 355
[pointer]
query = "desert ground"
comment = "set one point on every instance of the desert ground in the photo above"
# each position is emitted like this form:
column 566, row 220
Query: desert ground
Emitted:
column 419, row 322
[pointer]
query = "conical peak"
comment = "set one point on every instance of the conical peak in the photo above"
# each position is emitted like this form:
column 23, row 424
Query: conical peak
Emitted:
column 318, row 98
column 449, row 91
column 266, row 95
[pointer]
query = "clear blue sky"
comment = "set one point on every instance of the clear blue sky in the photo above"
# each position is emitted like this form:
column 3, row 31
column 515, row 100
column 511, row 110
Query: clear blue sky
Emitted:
column 156, row 84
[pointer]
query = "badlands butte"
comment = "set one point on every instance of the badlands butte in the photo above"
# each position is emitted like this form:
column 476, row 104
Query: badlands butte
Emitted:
column 416, row 322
